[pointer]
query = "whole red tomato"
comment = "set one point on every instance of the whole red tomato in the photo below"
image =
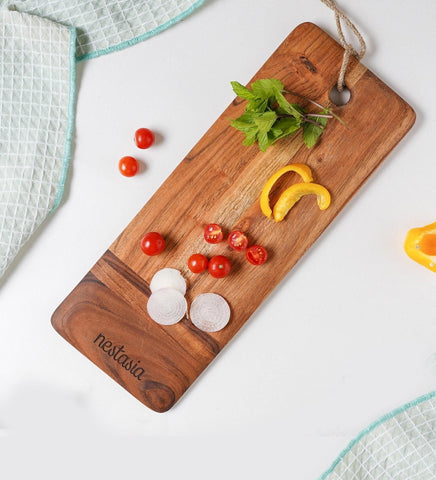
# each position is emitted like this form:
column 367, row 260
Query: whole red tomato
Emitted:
column 256, row 255
column 128, row 166
column 152, row 243
column 219, row 266
column 144, row 138
column 197, row 263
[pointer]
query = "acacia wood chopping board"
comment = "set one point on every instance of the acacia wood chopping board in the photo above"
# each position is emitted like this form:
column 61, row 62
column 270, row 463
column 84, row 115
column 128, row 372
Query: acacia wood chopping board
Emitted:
column 220, row 181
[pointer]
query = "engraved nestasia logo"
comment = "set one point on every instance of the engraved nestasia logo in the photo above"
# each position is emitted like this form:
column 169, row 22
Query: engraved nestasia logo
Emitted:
column 119, row 355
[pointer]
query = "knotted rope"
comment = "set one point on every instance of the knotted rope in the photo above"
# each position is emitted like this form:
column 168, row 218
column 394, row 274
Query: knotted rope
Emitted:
column 349, row 49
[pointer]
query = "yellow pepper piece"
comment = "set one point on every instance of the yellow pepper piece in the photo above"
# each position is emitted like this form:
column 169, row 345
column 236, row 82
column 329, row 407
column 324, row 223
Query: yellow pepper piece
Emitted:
column 291, row 196
column 303, row 170
column 420, row 245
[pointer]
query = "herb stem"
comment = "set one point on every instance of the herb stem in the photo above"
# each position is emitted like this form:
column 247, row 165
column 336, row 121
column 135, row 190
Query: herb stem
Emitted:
column 306, row 119
column 305, row 98
column 318, row 115
column 313, row 122
column 337, row 117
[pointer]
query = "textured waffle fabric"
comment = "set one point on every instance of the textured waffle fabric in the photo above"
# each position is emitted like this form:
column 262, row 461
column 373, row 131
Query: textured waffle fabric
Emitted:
column 400, row 446
column 105, row 25
column 36, row 94
column 39, row 45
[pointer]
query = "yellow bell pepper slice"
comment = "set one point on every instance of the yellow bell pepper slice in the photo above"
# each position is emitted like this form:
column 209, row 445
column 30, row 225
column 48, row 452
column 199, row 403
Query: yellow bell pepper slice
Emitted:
column 303, row 170
column 291, row 196
column 420, row 245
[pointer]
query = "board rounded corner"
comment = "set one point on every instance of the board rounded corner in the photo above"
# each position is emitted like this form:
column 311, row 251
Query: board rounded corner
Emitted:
column 56, row 320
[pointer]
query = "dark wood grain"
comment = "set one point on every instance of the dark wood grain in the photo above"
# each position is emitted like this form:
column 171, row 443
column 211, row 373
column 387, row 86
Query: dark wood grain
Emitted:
column 220, row 181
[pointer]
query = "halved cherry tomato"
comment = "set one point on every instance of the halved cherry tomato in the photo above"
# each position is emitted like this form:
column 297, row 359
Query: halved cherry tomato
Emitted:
column 238, row 240
column 256, row 255
column 128, row 166
column 213, row 233
column 144, row 138
column 219, row 266
column 152, row 243
column 197, row 263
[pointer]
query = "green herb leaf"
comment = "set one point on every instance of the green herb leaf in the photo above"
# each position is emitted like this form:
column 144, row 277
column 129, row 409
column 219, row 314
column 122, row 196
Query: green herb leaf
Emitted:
column 245, row 122
column 298, row 108
column 250, row 137
column 265, row 121
column 258, row 105
column 312, row 132
column 266, row 88
column 242, row 91
column 285, row 106
column 287, row 125
column 264, row 141
column 275, row 133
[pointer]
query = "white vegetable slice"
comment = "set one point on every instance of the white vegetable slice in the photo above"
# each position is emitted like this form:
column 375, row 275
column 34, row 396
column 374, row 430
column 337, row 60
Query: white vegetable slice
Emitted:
column 210, row 312
column 168, row 278
column 166, row 306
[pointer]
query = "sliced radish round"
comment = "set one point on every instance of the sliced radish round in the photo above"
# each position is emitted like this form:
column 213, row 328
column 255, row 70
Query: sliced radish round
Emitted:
column 166, row 306
column 168, row 278
column 210, row 312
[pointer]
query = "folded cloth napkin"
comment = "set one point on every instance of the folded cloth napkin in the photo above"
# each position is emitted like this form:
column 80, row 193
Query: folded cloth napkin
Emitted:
column 40, row 42
column 37, row 68
column 399, row 446
column 106, row 25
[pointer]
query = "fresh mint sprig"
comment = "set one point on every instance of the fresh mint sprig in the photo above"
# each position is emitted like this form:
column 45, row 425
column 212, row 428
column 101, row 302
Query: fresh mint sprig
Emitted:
column 269, row 116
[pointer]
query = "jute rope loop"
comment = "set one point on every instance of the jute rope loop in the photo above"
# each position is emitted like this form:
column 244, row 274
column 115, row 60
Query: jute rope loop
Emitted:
column 349, row 49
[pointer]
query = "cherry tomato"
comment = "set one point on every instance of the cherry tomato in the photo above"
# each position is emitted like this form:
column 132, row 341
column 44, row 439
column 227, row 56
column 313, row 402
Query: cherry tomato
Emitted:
column 238, row 240
column 219, row 266
column 144, row 138
column 197, row 263
column 152, row 243
column 256, row 255
column 213, row 233
column 128, row 166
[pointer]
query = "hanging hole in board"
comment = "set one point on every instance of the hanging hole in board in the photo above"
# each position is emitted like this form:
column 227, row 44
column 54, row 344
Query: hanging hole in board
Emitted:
column 340, row 98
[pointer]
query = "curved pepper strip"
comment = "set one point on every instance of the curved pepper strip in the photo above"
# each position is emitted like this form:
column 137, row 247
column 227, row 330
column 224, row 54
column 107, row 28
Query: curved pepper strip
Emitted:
column 420, row 245
column 291, row 196
column 303, row 170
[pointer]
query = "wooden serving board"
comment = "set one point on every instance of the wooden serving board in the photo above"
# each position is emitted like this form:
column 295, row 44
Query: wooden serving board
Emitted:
column 219, row 181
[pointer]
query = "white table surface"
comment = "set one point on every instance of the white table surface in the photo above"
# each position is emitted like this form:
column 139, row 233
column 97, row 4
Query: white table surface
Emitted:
column 349, row 335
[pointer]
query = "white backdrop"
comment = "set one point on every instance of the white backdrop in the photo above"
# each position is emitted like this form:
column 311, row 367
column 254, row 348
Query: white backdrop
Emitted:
column 349, row 335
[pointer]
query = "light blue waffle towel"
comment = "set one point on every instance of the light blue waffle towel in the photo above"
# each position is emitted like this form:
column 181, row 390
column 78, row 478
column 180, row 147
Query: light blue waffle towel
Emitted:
column 40, row 42
column 399, row 446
